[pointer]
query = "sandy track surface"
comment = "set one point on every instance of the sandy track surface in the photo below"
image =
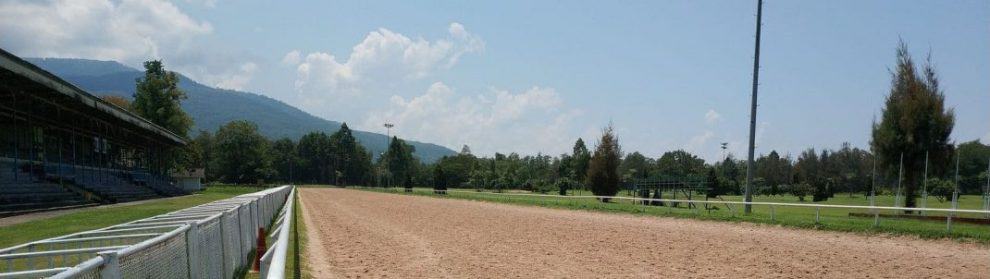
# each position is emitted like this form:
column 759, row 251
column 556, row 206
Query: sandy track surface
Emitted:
column 364, row 234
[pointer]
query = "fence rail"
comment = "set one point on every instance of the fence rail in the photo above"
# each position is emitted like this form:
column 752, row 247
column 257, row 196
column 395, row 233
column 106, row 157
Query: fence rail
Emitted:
column 874, row 210
column 207, row 241
column 273, row 262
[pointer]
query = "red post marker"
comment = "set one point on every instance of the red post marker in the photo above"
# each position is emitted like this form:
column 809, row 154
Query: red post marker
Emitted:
column 261, row 249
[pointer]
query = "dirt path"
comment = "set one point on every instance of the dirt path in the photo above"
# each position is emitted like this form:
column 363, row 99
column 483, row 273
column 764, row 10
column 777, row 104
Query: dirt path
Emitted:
column 364, row 234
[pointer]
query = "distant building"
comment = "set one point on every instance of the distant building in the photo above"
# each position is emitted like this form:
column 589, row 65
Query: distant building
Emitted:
column 189, row 180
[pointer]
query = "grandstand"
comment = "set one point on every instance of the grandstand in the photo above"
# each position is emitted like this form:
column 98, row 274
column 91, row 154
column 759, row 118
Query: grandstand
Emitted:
column 61, row 146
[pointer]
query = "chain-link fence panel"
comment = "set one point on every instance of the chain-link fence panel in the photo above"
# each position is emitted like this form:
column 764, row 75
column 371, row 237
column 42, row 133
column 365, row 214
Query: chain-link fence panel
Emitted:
column 210, row 244
column 230, row 232
column 165, row 259
column 193, row 242
column 245, row 230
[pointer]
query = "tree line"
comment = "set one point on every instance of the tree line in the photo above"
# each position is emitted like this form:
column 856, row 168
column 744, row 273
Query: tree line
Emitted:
column 908, row 144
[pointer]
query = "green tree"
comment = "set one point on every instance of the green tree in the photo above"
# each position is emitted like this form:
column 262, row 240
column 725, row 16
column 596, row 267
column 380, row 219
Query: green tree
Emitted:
column 730, row 172
column 285, row 160
column 439, row 179
column 242, row 153
column 199, row 154
column 400, row 163
column 808, row 170
column 774, row 170
column 457, row 169
column 636, row 166
column 680, row 163
column 973, row 159
column 157, row 98
column 315, row 150
column 196, row 153
column 580, row 158
column 118, row 101
column 349, row 158
column 603, row 169
column 914, row 121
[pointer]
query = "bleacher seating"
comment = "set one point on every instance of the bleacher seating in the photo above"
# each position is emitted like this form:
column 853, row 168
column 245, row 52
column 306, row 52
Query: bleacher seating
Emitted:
column 112, row 185
column 20, row 192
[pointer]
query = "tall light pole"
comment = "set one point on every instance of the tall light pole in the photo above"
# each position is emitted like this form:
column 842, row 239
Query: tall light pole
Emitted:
column 388, row 131
column 725, row 145
column 752, row 110
column 388, row 142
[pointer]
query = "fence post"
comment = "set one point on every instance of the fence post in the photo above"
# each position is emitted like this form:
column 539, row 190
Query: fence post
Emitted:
column 818, row 214
column 111, row 265
column 876, row 218
column 240, row 243
column 255, row 220
column 948, row 217
column 224, row 253
column 192, row 249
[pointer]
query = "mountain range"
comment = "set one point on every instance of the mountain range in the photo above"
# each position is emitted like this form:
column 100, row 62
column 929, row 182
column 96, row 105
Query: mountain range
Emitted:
column 212, row 107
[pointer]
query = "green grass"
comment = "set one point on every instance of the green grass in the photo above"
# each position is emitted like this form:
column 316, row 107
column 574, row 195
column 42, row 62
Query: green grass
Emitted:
column 834, row 219
column 95, row 218
column 295, row 267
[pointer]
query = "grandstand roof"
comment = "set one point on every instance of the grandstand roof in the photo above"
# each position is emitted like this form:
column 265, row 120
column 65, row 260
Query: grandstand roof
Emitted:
column 37, row 75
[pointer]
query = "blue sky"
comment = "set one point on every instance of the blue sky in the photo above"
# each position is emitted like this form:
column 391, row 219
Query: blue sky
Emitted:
column 532, row 76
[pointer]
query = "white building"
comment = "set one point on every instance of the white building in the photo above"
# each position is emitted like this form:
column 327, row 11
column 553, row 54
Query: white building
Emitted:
column 190, row 180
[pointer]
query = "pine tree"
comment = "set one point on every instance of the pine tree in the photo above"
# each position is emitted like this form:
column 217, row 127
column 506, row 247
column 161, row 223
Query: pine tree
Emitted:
column 603, row 169
column 914, row 121
column 157, row 99
column 579, row 160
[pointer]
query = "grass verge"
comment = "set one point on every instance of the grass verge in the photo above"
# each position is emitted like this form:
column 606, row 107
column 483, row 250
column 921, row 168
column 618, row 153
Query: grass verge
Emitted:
column 833, row 219
column 99, row 217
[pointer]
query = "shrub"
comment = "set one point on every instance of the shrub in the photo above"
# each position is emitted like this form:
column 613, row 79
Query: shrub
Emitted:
column 563, row 185
column 542, row 186
column 800, row 190
column 656, row 195
column 941, row 189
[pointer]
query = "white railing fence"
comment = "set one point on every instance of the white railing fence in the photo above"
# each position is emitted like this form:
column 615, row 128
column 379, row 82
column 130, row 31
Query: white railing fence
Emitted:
column 274, row 260
column 769, row 206
column 212, row 240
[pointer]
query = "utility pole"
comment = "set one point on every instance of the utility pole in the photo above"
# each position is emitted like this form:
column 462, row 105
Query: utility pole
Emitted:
column 724, row 146
column 388, row 143
column 752, row 110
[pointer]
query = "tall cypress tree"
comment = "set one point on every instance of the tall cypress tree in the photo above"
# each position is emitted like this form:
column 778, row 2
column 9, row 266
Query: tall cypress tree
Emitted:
column 579, row 160
column 914, row 121
column 603, row 169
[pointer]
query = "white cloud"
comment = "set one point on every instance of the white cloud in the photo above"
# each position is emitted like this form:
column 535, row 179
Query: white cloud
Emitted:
column 383, row 57
column 127, row 31
column 97, row 29
column 292, row 58
column 711, row 117
column 699, row 143
column 205, row 3
column 486, row 122
column 238, row 80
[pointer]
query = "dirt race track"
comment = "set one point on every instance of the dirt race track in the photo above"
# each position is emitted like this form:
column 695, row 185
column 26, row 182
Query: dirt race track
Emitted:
column 358, row 234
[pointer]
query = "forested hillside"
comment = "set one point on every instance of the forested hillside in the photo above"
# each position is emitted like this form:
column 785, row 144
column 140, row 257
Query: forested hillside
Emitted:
column 212, row 107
